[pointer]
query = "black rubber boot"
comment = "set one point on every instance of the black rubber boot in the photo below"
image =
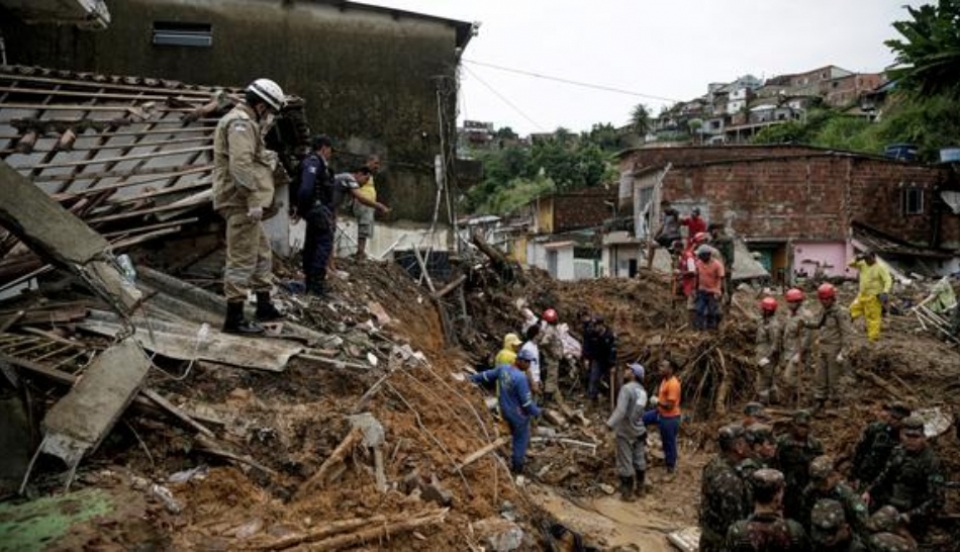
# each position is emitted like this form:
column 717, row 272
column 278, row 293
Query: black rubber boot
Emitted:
column 266, row 312
column 641, row 478
column 626, row 489
column 235, row 322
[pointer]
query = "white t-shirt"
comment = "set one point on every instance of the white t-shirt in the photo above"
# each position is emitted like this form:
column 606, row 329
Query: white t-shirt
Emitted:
column 532, row 347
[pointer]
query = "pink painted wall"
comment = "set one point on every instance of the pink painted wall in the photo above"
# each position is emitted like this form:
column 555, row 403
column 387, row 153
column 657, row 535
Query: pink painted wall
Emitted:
column 833, row 256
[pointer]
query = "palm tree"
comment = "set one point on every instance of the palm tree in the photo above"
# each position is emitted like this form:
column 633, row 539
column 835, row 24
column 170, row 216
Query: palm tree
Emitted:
column 640, row 120
column 930, row 52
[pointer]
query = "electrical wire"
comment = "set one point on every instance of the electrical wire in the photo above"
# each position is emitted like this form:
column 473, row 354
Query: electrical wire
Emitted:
column 504, row 99
column 572, row 82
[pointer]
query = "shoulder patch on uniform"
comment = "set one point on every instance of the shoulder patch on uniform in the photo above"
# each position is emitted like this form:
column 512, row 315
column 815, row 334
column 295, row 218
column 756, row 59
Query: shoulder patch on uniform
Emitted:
column 239, row 126
column 312, row 170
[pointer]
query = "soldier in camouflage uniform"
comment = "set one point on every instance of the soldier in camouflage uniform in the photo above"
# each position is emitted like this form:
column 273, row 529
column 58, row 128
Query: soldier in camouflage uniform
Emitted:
column 754, row 413
column 768, row 349
column 766, row 529
column 876, row 444
column 830, row 530
column 795, row 451
column 912, row 481
column 725, row 497
column 763, row 450
column 825, row 483
column 886, row 533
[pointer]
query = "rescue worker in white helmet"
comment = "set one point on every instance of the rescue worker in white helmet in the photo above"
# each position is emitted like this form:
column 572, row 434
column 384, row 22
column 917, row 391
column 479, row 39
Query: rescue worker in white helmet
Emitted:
column 243, row 189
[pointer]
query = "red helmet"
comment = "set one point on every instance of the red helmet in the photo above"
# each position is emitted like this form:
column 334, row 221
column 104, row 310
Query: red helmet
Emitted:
column 700, row 237
column 550, row 316
column 794, row 295
column 768, row 304
column 826, row 291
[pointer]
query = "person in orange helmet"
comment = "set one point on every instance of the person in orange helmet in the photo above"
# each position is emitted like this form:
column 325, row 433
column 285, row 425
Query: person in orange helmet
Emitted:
column 768, row 349
column 836, row 334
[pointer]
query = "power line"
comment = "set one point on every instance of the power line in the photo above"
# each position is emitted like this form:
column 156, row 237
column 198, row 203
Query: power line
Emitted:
column 570, row 81
column 504, row 99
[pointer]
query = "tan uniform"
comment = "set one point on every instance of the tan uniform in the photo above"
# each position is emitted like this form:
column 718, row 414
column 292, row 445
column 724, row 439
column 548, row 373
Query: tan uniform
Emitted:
column 768, row 347
column 242, row 180
column 797, row 338
column 551, row 347
column 836, row 331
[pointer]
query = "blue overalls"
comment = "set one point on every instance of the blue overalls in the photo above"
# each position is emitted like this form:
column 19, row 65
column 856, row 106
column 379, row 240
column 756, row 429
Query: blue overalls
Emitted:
column 516, row 406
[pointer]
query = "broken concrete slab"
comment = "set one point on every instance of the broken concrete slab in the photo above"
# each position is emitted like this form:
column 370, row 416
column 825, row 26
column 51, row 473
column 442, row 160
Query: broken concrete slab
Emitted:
column 181, row 342
column 498, row 534
column 57, row 234
column 78, row 422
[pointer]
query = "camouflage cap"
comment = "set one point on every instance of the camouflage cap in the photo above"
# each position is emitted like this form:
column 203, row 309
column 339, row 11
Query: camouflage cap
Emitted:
column 897, row 410
column 801, row 417
column 821, row 467
column 827, row 516
column 913, row 425
column 767, row 479
column 730, row 433
column 884, row 520
column 756, row 410
column 888, row 542
column 759, row 433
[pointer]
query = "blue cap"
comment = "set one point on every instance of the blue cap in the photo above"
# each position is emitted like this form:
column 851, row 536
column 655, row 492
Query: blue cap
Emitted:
column 527, row 355
column 637, row 370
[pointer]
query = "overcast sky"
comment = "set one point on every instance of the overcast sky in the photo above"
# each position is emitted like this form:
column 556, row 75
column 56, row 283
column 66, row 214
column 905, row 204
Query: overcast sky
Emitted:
column 665, row 48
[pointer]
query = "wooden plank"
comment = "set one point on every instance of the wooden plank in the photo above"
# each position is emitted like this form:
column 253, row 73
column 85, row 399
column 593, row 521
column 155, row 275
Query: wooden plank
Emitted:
column 104, row 84
column 107, row 160
column 84, row 107
column 91, row 408
column 161, row 173
column 96, row 95
column 176, row 412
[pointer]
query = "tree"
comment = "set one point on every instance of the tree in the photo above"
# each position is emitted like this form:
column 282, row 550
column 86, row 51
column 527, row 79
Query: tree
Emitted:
column 930, row 51
column 505, row 133
column 562, row 136
column 640, row 120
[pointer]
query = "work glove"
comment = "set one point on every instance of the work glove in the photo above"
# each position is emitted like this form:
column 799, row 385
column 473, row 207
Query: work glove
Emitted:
column 255, row 213
column 654, row 401
column 840, row 357
column 458, row 376
column 764, row 362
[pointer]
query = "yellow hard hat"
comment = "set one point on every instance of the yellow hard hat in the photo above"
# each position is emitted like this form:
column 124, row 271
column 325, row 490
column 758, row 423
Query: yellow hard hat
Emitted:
column 511, row 340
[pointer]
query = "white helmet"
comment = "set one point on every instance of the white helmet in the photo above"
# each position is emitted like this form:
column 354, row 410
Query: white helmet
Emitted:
column 269, row 92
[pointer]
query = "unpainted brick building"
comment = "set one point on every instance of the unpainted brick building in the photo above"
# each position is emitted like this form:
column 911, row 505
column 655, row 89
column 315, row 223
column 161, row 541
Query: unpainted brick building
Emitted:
column 795, row 205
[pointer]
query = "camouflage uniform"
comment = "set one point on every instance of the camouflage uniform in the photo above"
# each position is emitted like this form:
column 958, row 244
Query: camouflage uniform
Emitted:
column 551, row 347
column 725, row 497
column 797, row 338
column 755, row 434
column 854, row 509
column 872, row 452
column 884, row 524
column 836, row 332
column 794, row 457
column 911, row 482
column 768, row 347
column 829, row 531
column 766, row 530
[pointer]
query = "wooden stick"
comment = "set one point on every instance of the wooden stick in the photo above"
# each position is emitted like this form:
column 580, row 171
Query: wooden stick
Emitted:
column 354, row 437
column 133, row 214
column 211, row 446
column 107, row 160
column 379, row 475
column 452, row 285
column 140, row 238
column 84, row 107
column 480, row 453
column 151, row 227
column 336, row 363
column 195, row 185
column 97, row 95
column 327, row 530
column 383, row 531
column 102, row 147
column 160, row 173
column 207, row 93
column 176, row 412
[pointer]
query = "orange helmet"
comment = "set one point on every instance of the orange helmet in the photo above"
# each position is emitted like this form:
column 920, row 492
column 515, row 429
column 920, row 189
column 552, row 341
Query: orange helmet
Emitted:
column 700, row 237
column 794, row 295
column 826, row 291
column 550, row 316
column 768, row 304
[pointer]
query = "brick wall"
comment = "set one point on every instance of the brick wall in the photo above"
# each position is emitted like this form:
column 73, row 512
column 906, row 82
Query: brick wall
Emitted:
column 813, row 198
column 582, row 209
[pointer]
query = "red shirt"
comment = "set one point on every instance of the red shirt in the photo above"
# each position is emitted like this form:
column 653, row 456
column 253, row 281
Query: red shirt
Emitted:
column 694, row 225
column 710, row 276
column 688, row 272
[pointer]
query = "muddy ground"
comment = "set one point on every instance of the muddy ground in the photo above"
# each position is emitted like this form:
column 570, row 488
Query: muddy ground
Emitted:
column 291, row 422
